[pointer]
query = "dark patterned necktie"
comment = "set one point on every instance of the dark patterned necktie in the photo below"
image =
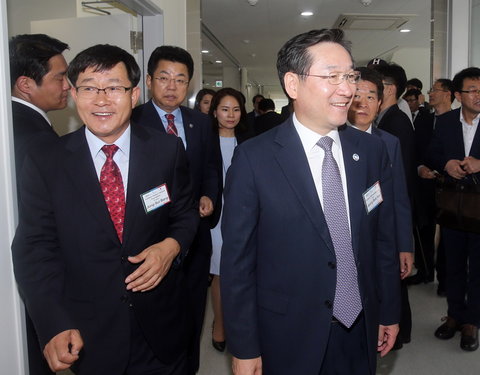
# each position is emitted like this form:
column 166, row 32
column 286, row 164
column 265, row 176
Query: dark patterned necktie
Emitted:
column 171, row 128
column 347, row 304
column 112, row 189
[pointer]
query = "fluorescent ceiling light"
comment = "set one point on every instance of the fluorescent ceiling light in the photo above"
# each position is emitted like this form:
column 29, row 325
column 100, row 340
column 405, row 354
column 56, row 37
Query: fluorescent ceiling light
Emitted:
column 306, row 14
column 218, row 61
column 205, row 51
column 405, row 30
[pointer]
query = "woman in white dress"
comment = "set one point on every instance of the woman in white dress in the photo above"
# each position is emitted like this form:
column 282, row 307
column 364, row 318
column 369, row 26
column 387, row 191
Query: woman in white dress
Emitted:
column 229, row 121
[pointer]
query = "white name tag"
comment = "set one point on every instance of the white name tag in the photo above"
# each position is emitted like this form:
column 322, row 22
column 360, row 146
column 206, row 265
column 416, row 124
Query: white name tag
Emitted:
column 372, row 197
column 155, row 198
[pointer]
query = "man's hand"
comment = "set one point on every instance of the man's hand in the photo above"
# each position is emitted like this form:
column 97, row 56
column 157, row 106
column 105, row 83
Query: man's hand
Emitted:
column 63, row 349
column 470, row 165
column 426, row 173
column 205, row 208
column 157, row 260
column 406, row 264
column 247, row 366
column 386, row 338
column 454, row 169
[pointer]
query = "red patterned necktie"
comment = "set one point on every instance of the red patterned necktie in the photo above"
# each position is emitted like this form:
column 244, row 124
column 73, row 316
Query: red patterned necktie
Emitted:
column 112, row 189
column 171, row 128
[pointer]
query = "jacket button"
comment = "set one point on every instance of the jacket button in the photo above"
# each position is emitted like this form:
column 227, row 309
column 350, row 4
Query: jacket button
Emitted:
column 332, row 265
column 328, row 304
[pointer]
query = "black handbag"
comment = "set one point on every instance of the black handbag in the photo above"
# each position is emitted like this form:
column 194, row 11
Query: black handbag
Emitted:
column 458, row 203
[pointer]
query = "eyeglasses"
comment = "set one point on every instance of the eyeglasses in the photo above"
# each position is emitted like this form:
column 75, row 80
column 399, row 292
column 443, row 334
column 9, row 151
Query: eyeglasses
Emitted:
column 110, row 92
column 338, row 78
column 164, row 81
column 471, row 92
column 435, row 90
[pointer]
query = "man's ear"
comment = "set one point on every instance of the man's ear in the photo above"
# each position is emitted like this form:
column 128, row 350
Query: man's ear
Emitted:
column 25, row 84
column 149, row 81
column 291, row 82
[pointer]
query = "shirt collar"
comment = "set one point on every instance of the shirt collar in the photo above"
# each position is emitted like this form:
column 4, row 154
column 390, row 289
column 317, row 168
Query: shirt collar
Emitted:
column 32, row 106
column 95, row 144
column 474, row 122
column 309, row 138
column 369, row 130
column 176, row 112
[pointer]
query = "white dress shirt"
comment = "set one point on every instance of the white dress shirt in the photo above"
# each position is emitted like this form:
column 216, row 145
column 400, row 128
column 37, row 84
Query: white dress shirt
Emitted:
column 315, row 155
column 121, row 157
column 178, row 122
column 468, row 132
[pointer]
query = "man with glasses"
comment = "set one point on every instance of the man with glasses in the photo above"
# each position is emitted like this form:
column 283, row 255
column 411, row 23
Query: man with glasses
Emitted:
column 455, row 153
column 170, row 69
column 106, row 218
column 304, row 254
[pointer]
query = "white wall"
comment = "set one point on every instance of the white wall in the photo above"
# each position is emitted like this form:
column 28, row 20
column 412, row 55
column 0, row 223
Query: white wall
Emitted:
column 416, row 62
column 12, row 353
column 475, row 45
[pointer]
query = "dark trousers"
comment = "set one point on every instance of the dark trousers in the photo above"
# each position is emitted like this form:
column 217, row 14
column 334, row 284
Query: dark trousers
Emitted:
column 440, row 265
column 142, row 360
column 462, row 251
column 425, row 250
column 406, row 315
column 346, row 352
column 197, row 270
column 37, row 363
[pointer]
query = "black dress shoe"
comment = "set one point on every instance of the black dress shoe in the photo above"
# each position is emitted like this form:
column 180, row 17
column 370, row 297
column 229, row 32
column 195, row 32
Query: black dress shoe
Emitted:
column 469, row 340
column 447, row 330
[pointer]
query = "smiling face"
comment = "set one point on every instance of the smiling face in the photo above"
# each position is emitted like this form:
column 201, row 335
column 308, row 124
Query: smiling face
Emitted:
column 106, row 117
column 318, row 104
column 365, row 105
column 168, row 95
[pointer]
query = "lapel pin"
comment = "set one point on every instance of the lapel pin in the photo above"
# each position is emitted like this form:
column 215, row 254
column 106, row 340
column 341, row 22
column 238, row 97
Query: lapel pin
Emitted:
column 190, row 125
column 356, row 157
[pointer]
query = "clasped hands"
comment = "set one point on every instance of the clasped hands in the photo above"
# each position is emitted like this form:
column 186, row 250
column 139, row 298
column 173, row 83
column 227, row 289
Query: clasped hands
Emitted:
column 460, row 168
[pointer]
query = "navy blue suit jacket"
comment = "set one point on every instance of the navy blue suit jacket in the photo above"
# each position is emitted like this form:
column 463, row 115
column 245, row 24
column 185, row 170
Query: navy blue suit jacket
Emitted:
column 278, row 261
column 403, row 213
column 70, row 265
column 447, row 142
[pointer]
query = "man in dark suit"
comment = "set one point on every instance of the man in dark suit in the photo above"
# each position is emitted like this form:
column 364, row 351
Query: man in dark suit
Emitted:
column 169, row 72
column 38, row 76
column 361, row 115
column 455, row 152
column 251, row 116
column 289, row 236
column 106, row 218
column 268, row 118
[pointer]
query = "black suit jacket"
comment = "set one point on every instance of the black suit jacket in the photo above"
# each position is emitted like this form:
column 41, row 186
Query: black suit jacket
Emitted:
column 447, row 143
column 278, row 261
column 70, row 265
column 267, row 121
column 201, row 154
column 29, row 127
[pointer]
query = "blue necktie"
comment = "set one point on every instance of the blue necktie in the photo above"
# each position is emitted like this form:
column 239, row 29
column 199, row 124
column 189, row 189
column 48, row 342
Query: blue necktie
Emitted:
column 347, row 304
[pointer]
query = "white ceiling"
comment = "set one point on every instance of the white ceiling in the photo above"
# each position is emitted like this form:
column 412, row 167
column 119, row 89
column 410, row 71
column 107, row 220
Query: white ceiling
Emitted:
column 254, row 34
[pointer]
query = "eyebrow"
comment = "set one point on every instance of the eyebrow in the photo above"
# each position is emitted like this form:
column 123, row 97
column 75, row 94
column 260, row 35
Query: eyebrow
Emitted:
column 171, row 74
column 87, row 80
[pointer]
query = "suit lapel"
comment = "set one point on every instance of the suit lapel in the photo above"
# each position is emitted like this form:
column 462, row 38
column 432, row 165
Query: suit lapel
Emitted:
column 81, row 170
column 354, row 159
column 139, row 171
column 293, row 161
column 188, row 128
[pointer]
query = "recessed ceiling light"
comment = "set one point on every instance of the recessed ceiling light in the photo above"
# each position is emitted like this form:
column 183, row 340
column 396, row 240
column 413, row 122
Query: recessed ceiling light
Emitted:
column 306, row 14
column 218, row 61
column 205, row 51
column 405, row 30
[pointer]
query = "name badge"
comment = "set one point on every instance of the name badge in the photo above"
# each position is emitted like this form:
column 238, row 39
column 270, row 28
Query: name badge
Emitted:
column 155, row 198
column 372, row 197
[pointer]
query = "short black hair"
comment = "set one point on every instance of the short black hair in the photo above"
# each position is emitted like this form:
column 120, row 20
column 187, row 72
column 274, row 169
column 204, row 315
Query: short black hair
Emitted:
column 447, row 84
column 468, row 73
column 294, row 55
column 30, row 55
column 412, row 92
column 103, row 57
column 415, row 82
column 395, row 74
column 370, row 75
column 266, row 105
column 219, row 95
column 173, row 54
column 254, row 99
